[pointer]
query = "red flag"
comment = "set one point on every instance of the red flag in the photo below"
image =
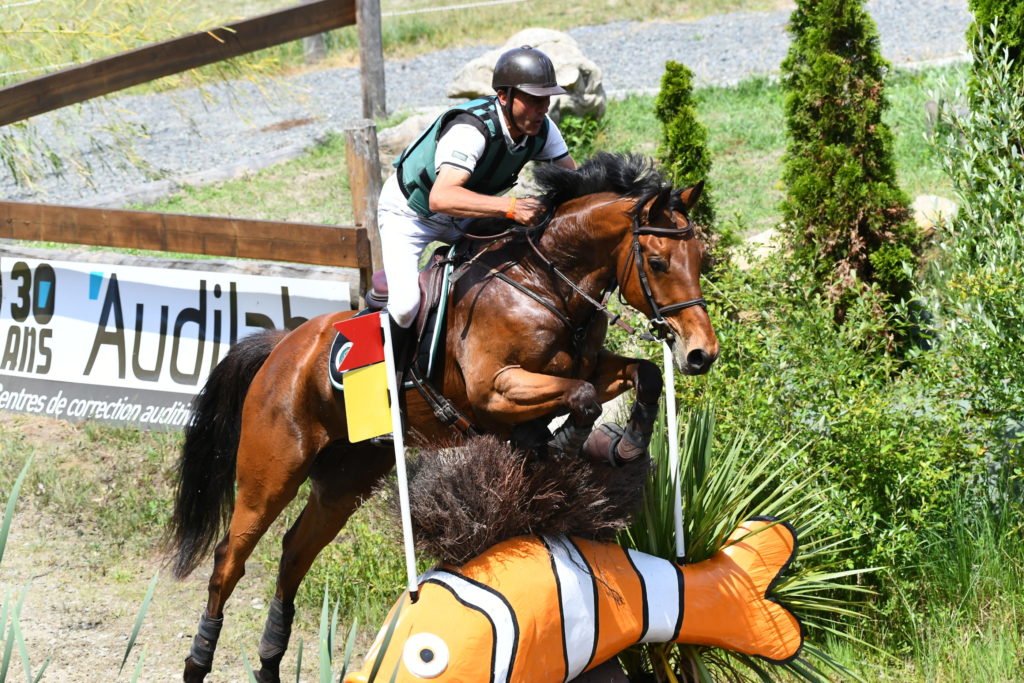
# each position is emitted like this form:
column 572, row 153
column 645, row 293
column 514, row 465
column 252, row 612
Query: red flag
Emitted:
column 367, row 339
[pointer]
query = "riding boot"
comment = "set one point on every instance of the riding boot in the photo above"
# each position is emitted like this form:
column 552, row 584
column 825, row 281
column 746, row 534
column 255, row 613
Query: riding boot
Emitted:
column 402, row 341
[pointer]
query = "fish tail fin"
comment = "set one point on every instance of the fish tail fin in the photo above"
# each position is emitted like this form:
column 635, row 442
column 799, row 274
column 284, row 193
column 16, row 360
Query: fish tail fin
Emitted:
column 727, row 598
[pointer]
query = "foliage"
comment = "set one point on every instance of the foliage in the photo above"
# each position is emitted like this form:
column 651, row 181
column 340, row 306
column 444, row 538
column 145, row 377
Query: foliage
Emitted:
column 683, row 150
column 887, row 435
column 720, row 489
column 842, row 202
column 1009, row 16
column 582, row 135
column 975, row 283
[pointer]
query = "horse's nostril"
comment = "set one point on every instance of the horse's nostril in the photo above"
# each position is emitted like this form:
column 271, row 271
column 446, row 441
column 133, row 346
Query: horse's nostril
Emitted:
column 698, row 358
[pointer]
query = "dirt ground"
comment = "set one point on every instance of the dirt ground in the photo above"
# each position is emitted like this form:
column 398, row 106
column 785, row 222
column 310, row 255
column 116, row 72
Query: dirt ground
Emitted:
column 80, row 612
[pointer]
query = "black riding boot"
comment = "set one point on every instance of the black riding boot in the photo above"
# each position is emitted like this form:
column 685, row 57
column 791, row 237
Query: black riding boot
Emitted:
column 402, row 340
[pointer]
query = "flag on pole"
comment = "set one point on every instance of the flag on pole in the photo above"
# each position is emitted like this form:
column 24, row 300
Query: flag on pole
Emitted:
column 367, row 362
column 367, row 408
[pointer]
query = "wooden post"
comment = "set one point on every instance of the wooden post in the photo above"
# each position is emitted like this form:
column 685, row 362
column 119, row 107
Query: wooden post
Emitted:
column 371, row 58
column 364, row 183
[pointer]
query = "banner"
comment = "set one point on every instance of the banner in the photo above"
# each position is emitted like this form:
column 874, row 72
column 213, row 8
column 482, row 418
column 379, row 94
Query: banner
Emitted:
column 132, row 345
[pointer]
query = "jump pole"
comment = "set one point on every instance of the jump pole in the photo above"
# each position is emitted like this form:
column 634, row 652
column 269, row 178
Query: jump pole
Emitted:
column 672, row 429
column 399, row 441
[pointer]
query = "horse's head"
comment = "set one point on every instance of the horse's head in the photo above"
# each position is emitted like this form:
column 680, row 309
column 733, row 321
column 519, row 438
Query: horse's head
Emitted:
column 619, row 206
column 659, row 274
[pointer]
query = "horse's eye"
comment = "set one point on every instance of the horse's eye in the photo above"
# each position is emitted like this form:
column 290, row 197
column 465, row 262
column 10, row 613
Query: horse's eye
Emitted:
column 425, row 655
column 657, row 265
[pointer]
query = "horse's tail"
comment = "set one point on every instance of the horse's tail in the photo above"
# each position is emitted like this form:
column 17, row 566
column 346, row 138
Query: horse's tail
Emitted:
column 206, row 469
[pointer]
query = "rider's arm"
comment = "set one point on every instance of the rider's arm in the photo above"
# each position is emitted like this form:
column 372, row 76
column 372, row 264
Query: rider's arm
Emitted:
column 451, row 196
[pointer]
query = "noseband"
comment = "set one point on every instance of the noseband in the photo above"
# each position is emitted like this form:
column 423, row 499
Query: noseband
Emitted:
column 659, row 326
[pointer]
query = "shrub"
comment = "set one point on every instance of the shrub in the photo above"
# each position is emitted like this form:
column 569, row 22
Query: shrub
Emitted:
column 975, row 285
column 1009, row 15
column 842, row 202
column 683, row 150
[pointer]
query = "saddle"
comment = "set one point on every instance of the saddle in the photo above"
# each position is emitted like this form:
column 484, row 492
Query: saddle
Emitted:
column 428, row 332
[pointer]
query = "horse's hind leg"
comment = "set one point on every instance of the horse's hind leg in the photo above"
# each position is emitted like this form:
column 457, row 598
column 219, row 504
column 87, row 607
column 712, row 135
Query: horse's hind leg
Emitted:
column 259, row 500
column 340, row 480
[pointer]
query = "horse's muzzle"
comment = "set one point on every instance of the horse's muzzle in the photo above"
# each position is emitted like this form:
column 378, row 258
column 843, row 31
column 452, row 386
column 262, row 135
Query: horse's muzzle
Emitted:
column 697, row 362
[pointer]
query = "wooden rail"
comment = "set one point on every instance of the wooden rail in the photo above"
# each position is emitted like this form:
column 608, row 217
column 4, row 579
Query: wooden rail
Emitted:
column 325, row 245
column 79, row 83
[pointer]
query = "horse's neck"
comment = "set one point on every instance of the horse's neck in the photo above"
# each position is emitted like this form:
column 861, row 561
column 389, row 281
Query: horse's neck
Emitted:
column 583, row 242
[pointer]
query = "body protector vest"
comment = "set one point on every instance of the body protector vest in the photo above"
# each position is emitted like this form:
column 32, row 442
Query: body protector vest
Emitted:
column 497, row 169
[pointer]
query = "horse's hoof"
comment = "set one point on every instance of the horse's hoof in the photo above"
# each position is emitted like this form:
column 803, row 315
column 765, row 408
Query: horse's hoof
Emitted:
column 600, row 445
column 268, row 676
column 193, row 672
column 569, row 439
column 270, row 670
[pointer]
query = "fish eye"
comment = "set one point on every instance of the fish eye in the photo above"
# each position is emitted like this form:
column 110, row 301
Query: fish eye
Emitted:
column 425, row 655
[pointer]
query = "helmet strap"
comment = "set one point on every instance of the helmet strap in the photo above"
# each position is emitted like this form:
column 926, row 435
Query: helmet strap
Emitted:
column 510, row 93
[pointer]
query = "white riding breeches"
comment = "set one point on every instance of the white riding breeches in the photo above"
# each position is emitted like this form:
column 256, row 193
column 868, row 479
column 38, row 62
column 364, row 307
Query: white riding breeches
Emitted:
column 403, row 236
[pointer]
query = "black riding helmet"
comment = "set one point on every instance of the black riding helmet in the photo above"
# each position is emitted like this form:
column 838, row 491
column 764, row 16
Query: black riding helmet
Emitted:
column 528, row 69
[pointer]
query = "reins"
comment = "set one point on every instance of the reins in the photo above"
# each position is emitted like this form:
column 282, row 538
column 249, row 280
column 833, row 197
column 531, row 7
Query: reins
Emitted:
column 659, row 326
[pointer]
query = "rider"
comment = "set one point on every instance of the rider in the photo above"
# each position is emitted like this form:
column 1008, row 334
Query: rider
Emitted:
column 459, row 166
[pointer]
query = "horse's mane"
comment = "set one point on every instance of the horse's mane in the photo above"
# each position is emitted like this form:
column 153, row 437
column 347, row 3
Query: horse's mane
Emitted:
column 630, row 175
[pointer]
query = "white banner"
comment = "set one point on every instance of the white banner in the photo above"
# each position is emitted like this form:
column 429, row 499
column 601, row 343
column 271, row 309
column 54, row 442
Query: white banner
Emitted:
column 132, row 345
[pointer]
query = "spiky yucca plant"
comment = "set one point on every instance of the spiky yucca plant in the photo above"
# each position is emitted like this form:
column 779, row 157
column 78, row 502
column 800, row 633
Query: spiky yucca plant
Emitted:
column 721, row 489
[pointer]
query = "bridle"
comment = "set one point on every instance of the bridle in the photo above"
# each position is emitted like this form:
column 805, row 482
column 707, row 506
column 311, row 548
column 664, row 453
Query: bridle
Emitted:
column 659, row 326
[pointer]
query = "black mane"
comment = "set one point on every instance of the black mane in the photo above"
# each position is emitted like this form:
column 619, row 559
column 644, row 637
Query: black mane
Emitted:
column 630, row 175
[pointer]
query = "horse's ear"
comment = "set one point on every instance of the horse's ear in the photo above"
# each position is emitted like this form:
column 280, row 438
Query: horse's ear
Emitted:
column 688, row 197
column 655, row 205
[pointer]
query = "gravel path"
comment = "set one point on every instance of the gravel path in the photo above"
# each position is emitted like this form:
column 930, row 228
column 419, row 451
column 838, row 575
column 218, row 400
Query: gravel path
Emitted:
column 191, row 137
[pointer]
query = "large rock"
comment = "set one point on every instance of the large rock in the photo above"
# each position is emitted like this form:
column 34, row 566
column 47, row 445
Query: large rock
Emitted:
column 392, row 141
column 932, row 212
column 573, row 71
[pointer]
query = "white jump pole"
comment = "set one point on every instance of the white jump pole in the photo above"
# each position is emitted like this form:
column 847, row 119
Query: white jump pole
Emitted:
column 399, row 440
column 672, row 431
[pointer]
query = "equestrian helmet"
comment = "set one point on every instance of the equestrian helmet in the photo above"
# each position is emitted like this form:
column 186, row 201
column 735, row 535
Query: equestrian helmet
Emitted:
column 528, row 69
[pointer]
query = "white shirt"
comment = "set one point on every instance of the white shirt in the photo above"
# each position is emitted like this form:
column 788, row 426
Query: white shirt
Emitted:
column 463, row 145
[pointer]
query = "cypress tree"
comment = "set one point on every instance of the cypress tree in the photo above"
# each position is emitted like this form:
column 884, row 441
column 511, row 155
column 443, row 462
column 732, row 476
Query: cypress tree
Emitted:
column 683, row 149
column 844, row 213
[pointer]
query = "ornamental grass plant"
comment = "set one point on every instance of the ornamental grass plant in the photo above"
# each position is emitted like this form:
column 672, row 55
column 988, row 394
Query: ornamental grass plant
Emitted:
column 721, row 487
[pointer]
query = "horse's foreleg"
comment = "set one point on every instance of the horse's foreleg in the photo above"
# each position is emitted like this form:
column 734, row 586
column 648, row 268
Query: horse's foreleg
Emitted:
column 518, row 396
column 612, row 376
column 338, row 485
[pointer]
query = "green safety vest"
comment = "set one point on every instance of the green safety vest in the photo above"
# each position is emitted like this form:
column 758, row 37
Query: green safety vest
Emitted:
column 496, row 171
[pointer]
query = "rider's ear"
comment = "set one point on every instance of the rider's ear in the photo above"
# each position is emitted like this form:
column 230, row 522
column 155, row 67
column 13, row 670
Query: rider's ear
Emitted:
column 655, row 205
column 689, row 196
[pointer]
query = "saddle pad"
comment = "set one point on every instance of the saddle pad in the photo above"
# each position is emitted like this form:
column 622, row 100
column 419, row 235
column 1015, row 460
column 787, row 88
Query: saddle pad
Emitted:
column 430, row 328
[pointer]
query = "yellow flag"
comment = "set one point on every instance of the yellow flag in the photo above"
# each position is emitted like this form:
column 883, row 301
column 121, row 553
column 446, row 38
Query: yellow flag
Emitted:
column 367, row 409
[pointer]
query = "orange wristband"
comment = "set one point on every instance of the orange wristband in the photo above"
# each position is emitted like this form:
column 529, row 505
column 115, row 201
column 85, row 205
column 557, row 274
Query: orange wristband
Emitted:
column 511, row 213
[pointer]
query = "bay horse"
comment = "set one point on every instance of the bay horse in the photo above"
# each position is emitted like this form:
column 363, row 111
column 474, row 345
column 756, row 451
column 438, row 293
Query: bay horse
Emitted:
column 523, row 343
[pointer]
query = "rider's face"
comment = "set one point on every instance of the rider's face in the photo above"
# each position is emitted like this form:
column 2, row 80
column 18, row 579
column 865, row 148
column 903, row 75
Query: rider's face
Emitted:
column 527, row 112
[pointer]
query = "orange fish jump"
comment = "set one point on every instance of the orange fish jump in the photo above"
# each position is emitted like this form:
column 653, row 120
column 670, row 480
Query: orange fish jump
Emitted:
column 535, row 609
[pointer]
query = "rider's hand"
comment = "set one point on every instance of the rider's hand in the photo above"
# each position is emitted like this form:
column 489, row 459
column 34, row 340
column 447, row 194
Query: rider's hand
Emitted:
column 529, row 211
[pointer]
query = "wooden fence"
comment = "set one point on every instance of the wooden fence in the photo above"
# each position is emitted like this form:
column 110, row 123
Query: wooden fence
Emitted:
column 350, row 247
column 325, row 245
column 103, row 76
